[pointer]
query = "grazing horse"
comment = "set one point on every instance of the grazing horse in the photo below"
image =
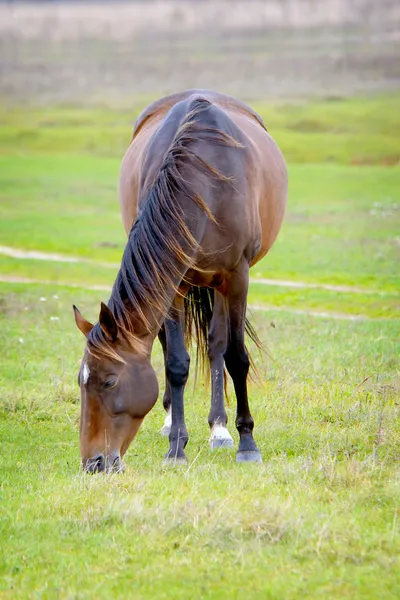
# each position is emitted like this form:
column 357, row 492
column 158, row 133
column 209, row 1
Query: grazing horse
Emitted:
column 203, row 192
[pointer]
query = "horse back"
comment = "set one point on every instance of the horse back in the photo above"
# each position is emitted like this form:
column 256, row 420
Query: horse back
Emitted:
column 265, row 166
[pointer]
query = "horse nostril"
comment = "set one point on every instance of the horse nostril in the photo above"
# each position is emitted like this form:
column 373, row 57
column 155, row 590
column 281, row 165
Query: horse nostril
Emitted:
column 95, row 464
column 117, row 465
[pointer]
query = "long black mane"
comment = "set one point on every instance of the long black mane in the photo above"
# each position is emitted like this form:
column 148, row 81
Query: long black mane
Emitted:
column 161, row 247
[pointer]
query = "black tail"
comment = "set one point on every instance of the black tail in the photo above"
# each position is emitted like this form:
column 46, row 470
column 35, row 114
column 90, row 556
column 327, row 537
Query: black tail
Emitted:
column 199, row 304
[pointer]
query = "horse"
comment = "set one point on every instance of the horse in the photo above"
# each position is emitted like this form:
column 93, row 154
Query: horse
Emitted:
column 202, row 192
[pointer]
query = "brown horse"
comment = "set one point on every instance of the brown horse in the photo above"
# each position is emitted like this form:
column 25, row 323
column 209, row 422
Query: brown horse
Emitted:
column 203, row 192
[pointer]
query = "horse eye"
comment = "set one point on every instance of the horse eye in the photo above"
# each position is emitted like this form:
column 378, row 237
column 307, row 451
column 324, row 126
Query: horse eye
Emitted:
column 108, row 385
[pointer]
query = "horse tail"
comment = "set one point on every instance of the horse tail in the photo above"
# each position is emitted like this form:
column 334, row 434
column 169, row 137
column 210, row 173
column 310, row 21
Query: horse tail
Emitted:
column 199, row 305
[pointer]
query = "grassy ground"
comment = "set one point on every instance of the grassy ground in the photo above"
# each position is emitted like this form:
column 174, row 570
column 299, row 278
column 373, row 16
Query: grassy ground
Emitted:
column 320, row 517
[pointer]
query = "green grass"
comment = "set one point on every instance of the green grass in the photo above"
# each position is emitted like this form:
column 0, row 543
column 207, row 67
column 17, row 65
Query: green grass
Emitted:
column 356, row 131
column 320, row 517
column 361, row 131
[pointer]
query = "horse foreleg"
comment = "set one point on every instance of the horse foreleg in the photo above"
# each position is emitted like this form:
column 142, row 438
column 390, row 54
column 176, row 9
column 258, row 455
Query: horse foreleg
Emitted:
column 237, row 362
column 217, row 344
column 177, row 371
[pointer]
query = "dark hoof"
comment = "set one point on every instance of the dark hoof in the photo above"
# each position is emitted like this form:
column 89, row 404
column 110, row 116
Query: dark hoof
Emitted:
column 172, row 459
column 248, row 456
column 214, row 444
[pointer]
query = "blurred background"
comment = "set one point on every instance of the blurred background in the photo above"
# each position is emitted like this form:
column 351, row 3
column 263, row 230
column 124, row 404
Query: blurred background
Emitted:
column 99, row 52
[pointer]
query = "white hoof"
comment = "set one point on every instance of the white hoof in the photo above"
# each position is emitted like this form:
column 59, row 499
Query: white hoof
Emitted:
column 166, row 429
column 220, row 437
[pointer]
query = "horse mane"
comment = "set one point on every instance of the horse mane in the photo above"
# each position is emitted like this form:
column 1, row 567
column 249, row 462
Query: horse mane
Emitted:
column 161, row 246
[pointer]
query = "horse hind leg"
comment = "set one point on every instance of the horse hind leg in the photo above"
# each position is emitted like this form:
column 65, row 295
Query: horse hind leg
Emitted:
column 238, row 364
column 217, row 343
column 165, row 431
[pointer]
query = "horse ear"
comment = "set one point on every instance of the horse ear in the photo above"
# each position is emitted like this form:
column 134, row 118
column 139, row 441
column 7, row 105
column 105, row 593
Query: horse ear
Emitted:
column 108, row 323
column 81, row 322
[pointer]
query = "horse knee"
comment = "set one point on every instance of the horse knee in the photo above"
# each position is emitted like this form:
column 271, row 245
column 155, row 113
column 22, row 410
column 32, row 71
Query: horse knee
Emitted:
column 177, row 369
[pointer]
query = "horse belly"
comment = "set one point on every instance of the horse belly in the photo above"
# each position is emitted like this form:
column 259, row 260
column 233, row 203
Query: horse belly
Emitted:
column 272, row 197
column 268, row 188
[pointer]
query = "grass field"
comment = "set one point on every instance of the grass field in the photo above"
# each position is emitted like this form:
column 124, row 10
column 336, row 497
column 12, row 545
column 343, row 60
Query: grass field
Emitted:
column 320, row 517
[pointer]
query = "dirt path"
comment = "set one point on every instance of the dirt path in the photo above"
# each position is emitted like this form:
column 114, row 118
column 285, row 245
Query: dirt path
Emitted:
column 252, row 307
column 12, row 279
column 319, row 286
column 53, row 257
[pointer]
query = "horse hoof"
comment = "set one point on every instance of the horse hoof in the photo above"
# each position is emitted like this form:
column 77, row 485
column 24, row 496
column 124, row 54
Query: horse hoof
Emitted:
column 216, row 443
column 175, row 457
column 166, row 430
column 248, row 456
column 220, row 437
column 172, row 461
